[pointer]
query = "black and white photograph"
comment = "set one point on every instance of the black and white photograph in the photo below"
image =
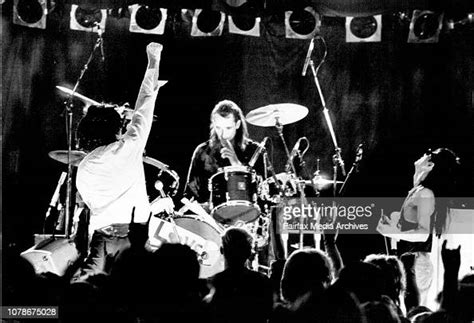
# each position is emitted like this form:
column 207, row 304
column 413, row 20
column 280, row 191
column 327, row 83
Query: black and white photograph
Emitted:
column 224, row 161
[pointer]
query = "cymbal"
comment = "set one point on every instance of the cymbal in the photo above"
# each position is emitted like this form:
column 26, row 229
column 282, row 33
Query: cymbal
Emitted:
column 87, row 101
column 61, row 156
column 77, row 156
column 269, row 115
column 123, row 111
column 156, row 163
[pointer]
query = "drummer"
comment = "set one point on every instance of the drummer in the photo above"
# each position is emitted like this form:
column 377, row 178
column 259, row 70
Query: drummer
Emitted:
column 229, row 145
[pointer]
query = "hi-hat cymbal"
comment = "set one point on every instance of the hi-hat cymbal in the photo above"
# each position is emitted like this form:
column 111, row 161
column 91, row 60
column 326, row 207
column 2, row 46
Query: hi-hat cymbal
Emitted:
column 270, row 115
column 61, row 156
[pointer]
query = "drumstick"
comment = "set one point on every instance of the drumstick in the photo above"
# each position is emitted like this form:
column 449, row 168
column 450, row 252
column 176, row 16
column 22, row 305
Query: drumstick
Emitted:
column 175, row 230
column 196, row 208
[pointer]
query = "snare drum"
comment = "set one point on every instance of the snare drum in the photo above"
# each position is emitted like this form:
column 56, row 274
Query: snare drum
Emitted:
column 234, row 195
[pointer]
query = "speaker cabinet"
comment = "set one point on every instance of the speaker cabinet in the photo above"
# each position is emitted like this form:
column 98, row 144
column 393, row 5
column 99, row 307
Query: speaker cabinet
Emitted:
column 52, row 255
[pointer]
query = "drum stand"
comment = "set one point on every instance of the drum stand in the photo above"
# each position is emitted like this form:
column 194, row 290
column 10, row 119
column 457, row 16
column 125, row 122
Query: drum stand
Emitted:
column 279, row 128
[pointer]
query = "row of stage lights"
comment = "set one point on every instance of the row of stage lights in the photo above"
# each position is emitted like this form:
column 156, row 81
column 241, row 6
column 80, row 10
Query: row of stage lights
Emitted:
column 425, row 25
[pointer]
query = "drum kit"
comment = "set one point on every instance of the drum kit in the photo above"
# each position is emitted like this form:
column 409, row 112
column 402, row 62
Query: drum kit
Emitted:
column 238, row 196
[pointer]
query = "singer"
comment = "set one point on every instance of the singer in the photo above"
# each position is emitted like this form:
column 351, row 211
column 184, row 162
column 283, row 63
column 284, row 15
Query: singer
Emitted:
column 229, row 145
column 110, row 178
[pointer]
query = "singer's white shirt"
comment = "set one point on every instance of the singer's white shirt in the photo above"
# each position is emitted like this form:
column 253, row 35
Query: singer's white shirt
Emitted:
column 111, row 179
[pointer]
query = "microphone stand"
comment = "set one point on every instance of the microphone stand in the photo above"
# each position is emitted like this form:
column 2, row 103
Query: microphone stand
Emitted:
column 355, row 167
column 334, row 176
column 337, row 158
column 68, row 107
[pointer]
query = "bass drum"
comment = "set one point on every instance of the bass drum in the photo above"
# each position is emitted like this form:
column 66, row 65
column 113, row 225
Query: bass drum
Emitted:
column 201, row 236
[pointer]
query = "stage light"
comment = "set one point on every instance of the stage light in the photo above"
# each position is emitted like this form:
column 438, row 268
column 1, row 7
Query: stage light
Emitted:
column 302, row 23
column 207, row 23
column 364, row 29
column 244, row 25
column 30, row 13
column 147, row 20
column 87, row 19
column 451, row 24
column 425, row 26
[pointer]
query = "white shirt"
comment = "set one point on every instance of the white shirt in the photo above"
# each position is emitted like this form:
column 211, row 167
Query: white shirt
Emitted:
column 111, row 179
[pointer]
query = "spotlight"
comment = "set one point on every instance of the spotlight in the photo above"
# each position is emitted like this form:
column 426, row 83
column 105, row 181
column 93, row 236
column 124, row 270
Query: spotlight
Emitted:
column 30, row 13
column 147, row 20
column 363, row 29
column 302, row 23
column 87, row 19
column 207, row 23
column 244, row 25
column 425, row 26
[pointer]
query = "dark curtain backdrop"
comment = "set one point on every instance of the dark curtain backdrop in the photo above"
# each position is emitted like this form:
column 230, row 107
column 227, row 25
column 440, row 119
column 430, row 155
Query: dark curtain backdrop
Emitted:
column 398, row 98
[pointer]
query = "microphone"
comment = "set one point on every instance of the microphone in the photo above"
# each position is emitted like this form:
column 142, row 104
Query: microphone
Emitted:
column 258, row 151
column 293, row 153
column 308, row 57
column 55, row 198
column 296, row 148
column 221, row 140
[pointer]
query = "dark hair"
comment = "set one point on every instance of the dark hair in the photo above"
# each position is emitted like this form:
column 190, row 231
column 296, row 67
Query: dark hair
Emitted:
column 381, row 311
column 339, row 305
column 99, row 127
column 363, row 279
column 392, row 268
column 304, row 271
column 237, row 246
column 224, row 109
column 178, row 265
column 442, row 181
